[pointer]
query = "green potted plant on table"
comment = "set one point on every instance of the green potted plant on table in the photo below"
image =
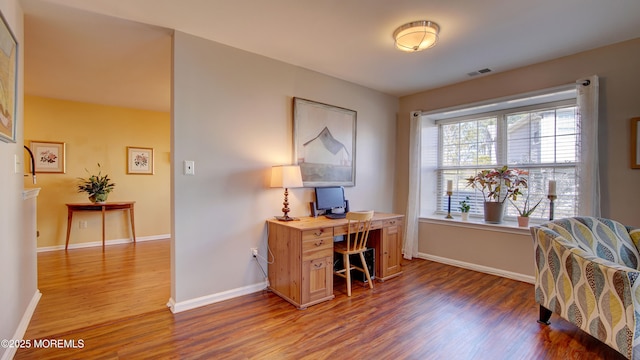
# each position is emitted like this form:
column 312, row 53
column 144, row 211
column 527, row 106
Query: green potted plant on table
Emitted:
column 97, row 187
column 464, row 208
column 527, row 209
column 498, row 185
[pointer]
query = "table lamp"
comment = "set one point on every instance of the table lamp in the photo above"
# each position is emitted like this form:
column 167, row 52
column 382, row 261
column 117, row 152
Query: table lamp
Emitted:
column 286, row 176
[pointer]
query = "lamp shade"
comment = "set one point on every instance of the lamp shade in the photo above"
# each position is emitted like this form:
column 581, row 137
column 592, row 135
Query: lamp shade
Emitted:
column 416, row 35
column 286, row 176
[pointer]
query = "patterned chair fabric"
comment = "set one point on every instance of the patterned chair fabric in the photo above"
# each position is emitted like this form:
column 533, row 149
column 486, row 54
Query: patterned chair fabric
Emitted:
column 587, row 272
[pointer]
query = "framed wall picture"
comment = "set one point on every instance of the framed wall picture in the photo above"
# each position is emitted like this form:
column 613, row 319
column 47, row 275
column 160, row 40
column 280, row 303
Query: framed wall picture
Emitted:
column 324, row 141
column 635, row 143
column 139, row 160
column 49, row 156
column 8, row 82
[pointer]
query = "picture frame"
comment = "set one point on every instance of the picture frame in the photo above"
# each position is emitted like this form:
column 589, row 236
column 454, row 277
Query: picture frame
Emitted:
column 49, row 156
column 324, row 143
column 635, row 143
column 140, row 160
column 8, row 82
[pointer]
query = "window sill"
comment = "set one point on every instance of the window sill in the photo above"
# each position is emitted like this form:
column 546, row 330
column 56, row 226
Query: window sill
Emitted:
column 506, row 226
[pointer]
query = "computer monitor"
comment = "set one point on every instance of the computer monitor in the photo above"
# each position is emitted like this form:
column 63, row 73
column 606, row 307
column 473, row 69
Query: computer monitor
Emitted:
column 328, row 198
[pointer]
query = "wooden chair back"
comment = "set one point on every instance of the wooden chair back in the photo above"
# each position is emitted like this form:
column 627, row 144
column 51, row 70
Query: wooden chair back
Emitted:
column 358, row 230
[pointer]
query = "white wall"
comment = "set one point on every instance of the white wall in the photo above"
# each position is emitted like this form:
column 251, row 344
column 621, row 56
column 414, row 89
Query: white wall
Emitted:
column 232, row 115
column 18, row 265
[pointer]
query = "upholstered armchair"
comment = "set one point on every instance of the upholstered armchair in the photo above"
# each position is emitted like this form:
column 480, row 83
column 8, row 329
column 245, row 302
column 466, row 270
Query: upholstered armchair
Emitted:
column 587, row 272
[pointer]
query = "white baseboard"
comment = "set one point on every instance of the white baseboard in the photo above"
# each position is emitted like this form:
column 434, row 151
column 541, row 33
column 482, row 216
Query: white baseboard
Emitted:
column 177, row 307
column 106, row 243
column 23, row 325
column 480, row 268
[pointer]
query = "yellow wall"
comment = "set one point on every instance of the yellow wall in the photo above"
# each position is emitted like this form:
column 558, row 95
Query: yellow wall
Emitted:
column 99, row 134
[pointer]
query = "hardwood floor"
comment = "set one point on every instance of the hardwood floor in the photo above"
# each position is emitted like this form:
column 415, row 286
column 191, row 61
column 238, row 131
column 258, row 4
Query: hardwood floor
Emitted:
column 432, row 311
column 86, row 287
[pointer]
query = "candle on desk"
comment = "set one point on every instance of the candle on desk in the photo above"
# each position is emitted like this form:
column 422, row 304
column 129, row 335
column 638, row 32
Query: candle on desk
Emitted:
column 449, row 185
column 552, row 187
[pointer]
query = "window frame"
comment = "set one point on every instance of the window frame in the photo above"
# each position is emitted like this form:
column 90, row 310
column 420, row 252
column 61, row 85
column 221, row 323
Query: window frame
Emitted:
column 501, row 149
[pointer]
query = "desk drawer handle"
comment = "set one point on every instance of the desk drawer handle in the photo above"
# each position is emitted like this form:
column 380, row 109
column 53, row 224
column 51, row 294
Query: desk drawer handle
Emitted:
column 318, row 233
column 318, row 243
column 318, row 265
column 392, row 222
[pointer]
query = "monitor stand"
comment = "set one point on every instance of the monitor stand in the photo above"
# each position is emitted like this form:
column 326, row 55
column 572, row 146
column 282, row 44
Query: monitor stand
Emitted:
column 339, row 215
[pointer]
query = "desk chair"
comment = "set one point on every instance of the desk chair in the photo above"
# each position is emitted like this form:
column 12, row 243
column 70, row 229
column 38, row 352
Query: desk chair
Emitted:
column 355, row 243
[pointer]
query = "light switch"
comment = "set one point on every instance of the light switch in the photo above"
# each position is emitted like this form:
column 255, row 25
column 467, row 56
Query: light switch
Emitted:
column 189, row 167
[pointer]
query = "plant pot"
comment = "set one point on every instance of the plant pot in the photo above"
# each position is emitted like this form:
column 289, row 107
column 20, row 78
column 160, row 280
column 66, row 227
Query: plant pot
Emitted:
column 98, row 198
column 493, row 212
column 523, row 221
column 464, row 216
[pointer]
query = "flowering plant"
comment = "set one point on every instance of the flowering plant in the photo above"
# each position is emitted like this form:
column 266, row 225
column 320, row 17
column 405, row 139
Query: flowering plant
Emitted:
column 498, row 185
column 96, row 186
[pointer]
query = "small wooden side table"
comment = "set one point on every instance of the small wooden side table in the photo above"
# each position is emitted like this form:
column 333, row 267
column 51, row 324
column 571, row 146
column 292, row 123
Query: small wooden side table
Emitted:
column 104, row 207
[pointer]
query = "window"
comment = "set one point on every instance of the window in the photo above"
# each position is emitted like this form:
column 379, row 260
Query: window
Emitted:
column 539, row 137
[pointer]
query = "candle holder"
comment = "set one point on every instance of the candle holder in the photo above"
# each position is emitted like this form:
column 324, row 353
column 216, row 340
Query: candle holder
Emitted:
column 551, row 198
column 449, row 193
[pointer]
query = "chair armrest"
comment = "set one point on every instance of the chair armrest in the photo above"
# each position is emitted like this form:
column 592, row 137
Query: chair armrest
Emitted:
column 634, row 233
column 598, row 296
column 605, row 264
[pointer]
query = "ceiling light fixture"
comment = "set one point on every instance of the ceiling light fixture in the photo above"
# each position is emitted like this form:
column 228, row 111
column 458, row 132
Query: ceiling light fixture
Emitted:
column 416, row 35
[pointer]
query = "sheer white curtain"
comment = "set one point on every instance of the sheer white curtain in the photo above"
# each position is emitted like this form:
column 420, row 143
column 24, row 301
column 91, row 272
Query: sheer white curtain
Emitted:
column 588, row 173
column 410, row 246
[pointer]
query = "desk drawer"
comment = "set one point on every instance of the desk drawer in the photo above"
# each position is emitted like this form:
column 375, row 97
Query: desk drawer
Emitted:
column 314, row 234
column 377, row 224
column 317, row 253
column 392, row 222
column 317, row 248
column 342, row 230
column 317, row 244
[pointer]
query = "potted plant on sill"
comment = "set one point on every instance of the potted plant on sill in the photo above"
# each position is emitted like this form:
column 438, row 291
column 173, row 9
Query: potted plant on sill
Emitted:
column 527, row 209
column 498, row 185
column 464, row 208
column 97, row 187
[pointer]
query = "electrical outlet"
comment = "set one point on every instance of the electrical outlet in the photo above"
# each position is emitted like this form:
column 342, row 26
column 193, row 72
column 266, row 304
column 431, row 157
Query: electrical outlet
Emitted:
column 82, row 224
column 254, row 252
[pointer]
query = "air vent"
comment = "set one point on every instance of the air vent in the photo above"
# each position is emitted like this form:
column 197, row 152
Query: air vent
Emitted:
column 479, row 72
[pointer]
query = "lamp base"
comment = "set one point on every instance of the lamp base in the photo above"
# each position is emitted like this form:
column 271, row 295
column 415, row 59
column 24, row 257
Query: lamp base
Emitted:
column 286, row 218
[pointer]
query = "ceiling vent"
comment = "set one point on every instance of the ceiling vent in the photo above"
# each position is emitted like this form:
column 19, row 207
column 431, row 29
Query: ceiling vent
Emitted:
column 479, row 72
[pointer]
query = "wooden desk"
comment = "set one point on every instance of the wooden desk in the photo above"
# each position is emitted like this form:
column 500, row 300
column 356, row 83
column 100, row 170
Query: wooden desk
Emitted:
column 302, row 268
column 124, row 205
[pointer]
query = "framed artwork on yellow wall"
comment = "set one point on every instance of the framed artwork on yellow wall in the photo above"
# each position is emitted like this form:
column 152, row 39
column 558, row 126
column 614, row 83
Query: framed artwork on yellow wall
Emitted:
column 8, row 82
column 49, row 156
column 139, row 160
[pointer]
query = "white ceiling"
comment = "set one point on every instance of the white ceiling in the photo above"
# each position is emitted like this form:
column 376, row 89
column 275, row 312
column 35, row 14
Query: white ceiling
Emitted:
column 124, row 58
